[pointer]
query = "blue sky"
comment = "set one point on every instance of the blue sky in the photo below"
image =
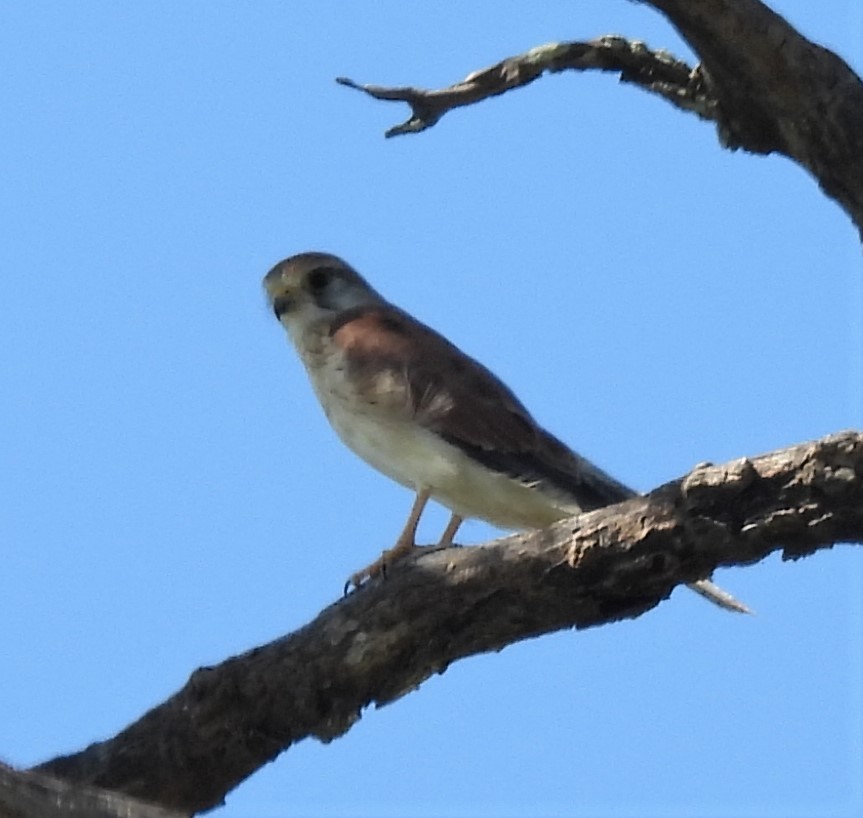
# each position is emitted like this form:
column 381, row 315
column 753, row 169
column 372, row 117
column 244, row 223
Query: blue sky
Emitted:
column 172, row 494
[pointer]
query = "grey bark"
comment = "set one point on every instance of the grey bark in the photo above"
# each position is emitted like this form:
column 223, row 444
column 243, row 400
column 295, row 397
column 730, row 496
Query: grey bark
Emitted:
column 384, row 640
column 767, row 89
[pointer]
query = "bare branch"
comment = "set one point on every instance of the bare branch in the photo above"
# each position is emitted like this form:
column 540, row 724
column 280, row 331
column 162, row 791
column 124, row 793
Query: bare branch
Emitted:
column 779, row 92
column 655, row 71
column 36, row 795
column 383, row 641
column 768, row 89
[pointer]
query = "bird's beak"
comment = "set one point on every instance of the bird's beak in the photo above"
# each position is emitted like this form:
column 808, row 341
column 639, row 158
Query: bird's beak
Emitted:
column 282, row 304
column 279, row 293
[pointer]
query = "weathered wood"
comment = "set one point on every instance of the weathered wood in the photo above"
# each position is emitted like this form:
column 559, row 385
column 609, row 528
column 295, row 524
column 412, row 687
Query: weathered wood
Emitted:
column 37, row 795
column 384, row 640
column 779, row 92
column 767, row 88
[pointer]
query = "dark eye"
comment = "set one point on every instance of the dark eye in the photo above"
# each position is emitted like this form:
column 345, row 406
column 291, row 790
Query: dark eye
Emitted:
column 319, row 278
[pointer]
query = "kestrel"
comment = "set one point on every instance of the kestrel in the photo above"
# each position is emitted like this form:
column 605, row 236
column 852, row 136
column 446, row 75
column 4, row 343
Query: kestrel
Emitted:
column 418, row 409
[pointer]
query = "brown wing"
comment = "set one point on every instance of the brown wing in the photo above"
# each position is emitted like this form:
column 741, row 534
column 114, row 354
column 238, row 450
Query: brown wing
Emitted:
column 411, row 368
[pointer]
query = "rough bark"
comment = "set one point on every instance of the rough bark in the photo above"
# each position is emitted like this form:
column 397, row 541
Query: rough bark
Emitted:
column 36, row 795
column 767, row 88
column 384, row 640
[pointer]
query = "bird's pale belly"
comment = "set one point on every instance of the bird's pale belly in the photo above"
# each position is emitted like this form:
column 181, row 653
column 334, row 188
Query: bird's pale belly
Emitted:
column 418, row 458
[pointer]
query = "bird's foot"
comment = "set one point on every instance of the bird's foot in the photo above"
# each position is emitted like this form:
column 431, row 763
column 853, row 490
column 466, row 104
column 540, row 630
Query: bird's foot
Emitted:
column 379, row 567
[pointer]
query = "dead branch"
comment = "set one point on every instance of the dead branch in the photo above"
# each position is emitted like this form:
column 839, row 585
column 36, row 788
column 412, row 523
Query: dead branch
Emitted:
column 36, row 795
column 767, row 88
column 655, row 71
column 383, row 641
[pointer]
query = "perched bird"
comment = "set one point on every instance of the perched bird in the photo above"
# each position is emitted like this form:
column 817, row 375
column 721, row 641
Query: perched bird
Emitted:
column 418, row 409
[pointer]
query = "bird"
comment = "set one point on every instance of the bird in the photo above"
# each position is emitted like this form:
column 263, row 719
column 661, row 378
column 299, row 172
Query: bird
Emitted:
column 418, row 409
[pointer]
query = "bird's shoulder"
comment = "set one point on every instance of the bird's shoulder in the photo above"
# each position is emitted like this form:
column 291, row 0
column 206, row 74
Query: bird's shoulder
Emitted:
column 418, row 375
column 448, row 391
column 375, row 331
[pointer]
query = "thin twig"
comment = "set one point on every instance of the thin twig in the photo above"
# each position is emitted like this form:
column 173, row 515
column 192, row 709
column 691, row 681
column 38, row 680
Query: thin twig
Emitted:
column 655, row 71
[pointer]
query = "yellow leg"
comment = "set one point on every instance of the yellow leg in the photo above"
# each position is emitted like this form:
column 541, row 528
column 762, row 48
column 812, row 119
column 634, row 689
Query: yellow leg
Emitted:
column 407, row 539
column 404, row 544
column 449, row 532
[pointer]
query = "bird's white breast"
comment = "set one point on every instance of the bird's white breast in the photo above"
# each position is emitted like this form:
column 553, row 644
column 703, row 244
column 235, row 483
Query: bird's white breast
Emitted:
column 417, row 457
column 400, row 447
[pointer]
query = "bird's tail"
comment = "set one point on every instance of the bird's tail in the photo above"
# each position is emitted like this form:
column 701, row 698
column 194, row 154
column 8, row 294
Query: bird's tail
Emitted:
column 585, row 487
column 718, row 596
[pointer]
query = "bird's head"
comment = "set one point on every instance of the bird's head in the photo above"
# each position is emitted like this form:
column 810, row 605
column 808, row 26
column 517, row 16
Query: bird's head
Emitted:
column 311, row 288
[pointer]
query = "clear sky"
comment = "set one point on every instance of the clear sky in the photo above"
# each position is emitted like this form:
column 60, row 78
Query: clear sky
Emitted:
column 171, row 492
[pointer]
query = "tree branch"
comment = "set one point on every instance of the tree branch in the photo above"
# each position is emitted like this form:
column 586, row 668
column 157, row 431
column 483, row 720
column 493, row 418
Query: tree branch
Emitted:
column 779, row 92
column 36, row 795
column 767, row 88
column 655, row 71
column 383, row 641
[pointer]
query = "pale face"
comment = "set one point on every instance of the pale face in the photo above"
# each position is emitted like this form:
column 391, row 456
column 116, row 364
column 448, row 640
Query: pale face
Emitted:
column 309, row 288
